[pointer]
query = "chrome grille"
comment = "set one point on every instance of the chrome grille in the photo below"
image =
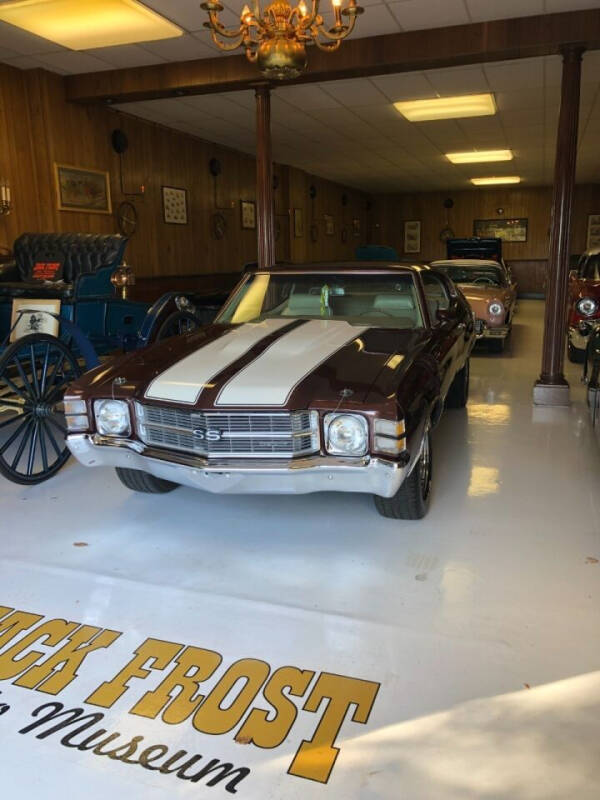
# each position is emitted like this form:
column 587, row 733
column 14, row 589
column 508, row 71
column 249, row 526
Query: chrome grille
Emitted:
column 229, row 434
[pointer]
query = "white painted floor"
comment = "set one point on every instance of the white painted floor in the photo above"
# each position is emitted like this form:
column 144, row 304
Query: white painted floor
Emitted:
column 481, row 623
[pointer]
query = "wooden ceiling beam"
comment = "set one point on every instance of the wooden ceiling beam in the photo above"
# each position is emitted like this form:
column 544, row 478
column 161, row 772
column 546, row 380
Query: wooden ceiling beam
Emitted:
column 435, row 48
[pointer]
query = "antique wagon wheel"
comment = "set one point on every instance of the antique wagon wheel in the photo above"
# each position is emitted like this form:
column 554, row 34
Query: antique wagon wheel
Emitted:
column 34, row 373
column 177, row 324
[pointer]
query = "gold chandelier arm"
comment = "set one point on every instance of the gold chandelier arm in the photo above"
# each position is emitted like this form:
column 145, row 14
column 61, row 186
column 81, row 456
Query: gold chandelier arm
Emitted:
column 328, row 47
column 226, row 46
column 214, row 25
column 332, row 37
column 257, row 18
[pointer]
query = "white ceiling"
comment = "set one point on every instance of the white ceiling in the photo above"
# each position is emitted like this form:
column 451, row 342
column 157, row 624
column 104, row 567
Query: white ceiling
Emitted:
column 348, row 130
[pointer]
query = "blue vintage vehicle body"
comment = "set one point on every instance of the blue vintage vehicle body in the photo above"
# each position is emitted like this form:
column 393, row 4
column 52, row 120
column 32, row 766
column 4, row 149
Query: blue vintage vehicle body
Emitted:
column 95, row 320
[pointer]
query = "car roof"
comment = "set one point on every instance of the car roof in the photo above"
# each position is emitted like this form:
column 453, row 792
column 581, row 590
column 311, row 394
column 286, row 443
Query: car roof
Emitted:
column 348, row 266
column 466, row 262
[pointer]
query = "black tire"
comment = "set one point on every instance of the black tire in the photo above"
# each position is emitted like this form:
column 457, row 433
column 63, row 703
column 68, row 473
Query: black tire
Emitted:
column 139, row 481
column 458, row 393
column 34, row 373
column 576, row 354
column 496, row 345
column 411, row 501
column 177, row 324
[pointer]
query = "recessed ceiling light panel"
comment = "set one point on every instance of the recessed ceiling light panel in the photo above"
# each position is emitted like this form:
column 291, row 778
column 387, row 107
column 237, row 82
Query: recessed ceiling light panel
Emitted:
column 83, row 24
column 469, row 105
column 495, row 181
column 480, row 156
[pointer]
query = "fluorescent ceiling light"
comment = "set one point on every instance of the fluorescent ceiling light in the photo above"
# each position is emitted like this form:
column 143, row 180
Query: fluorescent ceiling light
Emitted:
column 82, row 24
column 480, row 156
column 495, row 181
column 469, row 105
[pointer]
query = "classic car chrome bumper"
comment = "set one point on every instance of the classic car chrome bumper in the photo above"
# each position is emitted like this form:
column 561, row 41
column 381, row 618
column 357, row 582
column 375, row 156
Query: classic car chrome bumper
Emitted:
column 265, row 476
column 499, row 332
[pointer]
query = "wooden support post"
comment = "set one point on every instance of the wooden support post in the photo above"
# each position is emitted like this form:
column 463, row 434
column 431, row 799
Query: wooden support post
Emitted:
column 552, row 388
column 264, row 179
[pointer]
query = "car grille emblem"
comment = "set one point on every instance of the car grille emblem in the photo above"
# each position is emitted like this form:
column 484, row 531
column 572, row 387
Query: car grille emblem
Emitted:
column 208, row 436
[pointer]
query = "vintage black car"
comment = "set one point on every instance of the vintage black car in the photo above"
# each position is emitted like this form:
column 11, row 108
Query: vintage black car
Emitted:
column 312, row 378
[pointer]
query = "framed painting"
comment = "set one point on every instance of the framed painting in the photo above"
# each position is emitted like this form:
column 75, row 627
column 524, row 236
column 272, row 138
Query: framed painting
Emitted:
column 248, row 214
column 329, row 225
column 509, row 230
column 79, row 189
column 28, row 316
column 356, row 227
column 298, row 223
column 593, row 232
column 174, row 205
column 412, row 236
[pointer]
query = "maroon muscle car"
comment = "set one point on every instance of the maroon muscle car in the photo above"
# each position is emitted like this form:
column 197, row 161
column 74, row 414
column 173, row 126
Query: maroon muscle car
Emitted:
column 584, row 304
column 312, row 378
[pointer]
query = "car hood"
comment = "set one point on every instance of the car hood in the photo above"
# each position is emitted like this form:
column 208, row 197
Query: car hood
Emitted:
column 278, row 363
column 482, row 296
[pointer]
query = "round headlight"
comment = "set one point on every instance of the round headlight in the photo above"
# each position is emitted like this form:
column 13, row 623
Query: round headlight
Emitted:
column 587, row 306
column 112, row 417
column 346, row 434
column 496, row 309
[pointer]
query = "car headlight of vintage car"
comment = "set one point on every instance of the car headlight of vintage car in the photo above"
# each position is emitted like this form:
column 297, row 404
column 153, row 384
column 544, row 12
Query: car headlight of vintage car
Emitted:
column 346, row 434
column 587, row 306
column 496, row 308
column 76, row 414
column 112, row 417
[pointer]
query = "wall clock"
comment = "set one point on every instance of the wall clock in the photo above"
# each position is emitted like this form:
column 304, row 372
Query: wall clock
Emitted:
column 127, row 218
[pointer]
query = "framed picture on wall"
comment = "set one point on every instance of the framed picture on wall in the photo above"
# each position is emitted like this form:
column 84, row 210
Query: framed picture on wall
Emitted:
column 298, row 223
column 412, row 236
column 593, row 232
column 79, row 189
column 509, row 230
column 329, row 225
column 174, row 205
column 248, row 214
column 356, row 227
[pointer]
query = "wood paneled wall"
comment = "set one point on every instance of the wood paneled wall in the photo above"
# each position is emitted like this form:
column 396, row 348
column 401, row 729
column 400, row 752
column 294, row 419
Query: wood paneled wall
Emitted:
column 39, row 127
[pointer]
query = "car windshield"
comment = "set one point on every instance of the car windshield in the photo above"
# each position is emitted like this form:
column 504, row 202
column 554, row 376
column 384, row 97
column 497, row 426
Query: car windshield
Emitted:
column 591, row 268
column 380, row 300
column 479, row 276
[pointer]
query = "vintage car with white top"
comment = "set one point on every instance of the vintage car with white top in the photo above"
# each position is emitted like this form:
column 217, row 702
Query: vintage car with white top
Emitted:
column 584, row 304
column 312, row 378
column 490, row 293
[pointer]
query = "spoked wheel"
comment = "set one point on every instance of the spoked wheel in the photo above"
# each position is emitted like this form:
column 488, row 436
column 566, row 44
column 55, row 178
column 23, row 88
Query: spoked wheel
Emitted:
column 178, row 324
column 34, row 373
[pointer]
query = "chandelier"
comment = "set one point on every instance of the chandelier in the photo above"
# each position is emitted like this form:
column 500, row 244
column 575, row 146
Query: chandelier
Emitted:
column 276, row 38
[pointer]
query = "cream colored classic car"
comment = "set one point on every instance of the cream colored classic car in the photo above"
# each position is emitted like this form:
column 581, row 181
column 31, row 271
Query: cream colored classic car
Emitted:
column 491, row 294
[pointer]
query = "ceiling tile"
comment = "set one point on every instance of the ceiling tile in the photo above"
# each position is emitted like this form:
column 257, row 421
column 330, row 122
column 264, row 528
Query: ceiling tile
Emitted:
column 355, row 93
column 483, row 10
column 519, row 74
column 460, row 80
column 184, row 48
column 71, row 62
column 555, row 6
column 404, row 86
column 308, row 96
column 416, row 14
column 129, row 55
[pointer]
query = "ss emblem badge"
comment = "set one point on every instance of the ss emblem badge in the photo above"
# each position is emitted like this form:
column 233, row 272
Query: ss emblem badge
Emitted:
column 209, row 436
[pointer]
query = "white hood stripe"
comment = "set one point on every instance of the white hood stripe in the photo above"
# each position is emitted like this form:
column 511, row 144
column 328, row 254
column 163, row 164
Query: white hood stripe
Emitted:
column 185, row 380
column 271, row 377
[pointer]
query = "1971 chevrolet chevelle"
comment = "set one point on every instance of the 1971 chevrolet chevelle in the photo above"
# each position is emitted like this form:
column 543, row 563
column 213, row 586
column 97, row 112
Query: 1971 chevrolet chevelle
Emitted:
column 312, row 378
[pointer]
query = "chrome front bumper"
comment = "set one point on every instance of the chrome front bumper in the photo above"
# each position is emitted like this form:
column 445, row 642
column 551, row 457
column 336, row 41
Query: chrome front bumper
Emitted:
column 265, row 476
column 500, row 332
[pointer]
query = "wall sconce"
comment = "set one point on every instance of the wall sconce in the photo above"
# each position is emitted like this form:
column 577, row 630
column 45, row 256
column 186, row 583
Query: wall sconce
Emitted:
column 122, row 278
column 5, row 197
